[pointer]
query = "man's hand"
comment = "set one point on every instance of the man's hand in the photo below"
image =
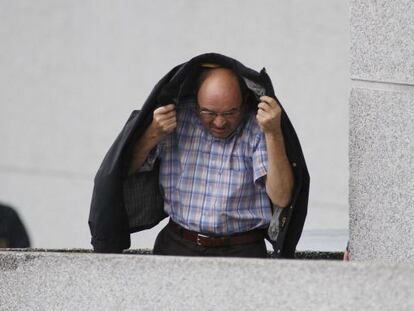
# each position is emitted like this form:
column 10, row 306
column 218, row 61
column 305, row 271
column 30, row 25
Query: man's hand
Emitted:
column 268, row 115
column 164, row 122
column 279, row 179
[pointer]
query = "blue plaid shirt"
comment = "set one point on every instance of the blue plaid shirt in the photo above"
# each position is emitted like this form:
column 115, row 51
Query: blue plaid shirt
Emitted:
column 210, row 185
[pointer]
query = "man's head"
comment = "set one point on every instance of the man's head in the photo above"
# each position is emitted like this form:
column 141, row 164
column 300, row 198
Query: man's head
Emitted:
column 220, row 101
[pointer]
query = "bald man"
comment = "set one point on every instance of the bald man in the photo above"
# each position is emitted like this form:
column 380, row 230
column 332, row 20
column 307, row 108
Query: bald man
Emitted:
column 223, row 166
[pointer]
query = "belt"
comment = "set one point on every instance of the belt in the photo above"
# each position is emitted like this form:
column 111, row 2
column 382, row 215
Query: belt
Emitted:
column 213, row 241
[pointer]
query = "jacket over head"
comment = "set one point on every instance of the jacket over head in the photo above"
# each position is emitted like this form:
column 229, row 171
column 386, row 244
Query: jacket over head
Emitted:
column 122, row 204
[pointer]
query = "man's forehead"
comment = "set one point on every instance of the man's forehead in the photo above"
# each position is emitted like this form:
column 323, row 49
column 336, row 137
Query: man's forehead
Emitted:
column 220, row 86
column 219, row 80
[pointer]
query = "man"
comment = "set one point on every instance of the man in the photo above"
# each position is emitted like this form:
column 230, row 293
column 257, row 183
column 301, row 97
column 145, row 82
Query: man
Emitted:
column 211, row 151
column 220, row 162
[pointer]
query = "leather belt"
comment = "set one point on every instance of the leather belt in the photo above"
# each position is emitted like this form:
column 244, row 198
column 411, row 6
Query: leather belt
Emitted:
column 213, row 241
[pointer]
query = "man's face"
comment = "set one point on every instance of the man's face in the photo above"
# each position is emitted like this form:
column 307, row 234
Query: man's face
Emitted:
column 220, row 103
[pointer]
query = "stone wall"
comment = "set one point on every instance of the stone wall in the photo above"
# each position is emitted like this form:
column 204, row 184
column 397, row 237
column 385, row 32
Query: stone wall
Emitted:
column 381, row 130
column 57, row 281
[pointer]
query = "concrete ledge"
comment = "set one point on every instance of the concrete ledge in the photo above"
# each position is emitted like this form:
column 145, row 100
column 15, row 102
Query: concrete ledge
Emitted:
column 299, row 255
column 68, row 281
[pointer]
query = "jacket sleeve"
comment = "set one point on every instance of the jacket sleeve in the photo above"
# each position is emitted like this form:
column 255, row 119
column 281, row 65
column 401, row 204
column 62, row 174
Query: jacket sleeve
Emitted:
column 108, row 218
column 287, row 224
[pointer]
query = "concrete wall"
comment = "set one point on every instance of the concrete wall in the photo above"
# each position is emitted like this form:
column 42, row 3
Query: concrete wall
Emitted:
column 71, row 72
column 35, row 281
column 381, row 130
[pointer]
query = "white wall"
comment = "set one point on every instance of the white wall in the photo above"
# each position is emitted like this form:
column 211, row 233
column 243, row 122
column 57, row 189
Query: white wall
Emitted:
column 71, row 72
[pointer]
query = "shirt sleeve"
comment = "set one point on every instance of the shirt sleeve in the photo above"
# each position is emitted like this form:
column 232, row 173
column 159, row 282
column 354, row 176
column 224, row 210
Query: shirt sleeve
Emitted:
column 259, row 158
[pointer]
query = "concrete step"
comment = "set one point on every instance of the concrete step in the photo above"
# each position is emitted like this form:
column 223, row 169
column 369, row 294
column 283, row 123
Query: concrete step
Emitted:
column 87, row 281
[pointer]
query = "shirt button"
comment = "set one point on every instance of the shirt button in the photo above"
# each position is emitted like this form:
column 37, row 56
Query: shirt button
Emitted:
column 294, row 164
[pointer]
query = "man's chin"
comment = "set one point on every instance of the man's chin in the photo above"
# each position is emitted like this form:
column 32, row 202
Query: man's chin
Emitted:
column 220, row 133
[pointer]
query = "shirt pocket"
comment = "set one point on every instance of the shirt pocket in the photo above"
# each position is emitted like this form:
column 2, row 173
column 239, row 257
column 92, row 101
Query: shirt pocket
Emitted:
column 241, row 172
column 240, row 162
column 239, row 180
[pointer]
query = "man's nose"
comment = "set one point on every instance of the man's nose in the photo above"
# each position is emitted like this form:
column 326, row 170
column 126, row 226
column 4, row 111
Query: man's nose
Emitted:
column 219, row 121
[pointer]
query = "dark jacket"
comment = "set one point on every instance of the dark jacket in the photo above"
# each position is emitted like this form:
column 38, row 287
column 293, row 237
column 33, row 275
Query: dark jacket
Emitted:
column 123, row 204
column 12, row 231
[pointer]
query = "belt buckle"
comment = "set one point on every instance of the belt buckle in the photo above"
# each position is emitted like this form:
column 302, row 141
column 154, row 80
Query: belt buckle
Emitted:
column 198, row 241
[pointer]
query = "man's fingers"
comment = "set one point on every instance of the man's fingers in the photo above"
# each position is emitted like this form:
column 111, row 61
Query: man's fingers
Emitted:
column 269, row 100
column 170, row 122
column 169, row 107
column 170, row 127
column 165, row 109
column 268, row 115
column 263, row 106
column 261, row 112
column 261, row 116
column 164, row 116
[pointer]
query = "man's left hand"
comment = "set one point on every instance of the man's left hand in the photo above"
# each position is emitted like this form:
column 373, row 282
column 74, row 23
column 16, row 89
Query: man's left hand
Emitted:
column 268, row 115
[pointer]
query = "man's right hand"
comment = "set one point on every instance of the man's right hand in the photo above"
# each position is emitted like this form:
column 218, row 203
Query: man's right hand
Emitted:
column 164, row 122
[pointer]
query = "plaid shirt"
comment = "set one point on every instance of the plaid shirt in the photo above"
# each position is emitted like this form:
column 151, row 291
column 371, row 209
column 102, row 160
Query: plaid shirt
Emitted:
column 210, row 185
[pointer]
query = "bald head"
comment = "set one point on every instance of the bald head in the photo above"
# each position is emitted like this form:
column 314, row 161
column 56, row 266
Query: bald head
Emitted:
column 220, row 101
column 220, row 86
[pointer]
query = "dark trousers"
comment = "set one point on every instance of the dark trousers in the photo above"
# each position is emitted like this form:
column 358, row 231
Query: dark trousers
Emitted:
column 170, row 243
